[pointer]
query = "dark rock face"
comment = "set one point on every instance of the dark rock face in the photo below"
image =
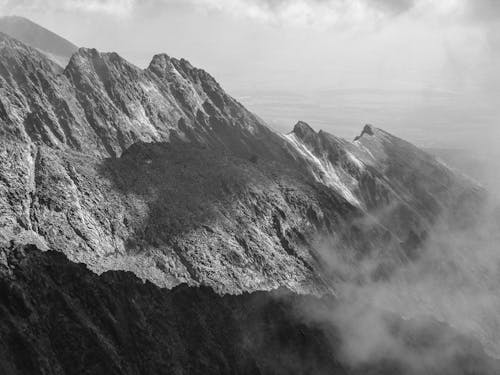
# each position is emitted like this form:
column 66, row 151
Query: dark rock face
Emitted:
column 68, row 320
column 60, row 318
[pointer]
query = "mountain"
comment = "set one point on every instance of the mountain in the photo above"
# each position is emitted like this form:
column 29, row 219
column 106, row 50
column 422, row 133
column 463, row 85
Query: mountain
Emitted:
column 476, row 164
column 52, row 45
column 158, row 172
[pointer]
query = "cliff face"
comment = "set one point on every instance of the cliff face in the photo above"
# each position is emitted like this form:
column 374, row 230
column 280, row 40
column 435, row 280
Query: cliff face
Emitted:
column 160, row 172
column 60, row 318
column 68, row 320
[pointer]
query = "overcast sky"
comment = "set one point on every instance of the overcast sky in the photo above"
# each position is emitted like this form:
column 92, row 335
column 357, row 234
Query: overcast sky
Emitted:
column 259, row 47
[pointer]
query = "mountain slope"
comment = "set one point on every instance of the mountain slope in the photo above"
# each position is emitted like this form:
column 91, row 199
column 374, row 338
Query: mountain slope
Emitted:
column 56, row 48
column 160, row 172
column 102, row 104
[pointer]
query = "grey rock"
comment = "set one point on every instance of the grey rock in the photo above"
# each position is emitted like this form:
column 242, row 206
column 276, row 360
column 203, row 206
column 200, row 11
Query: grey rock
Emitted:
column 158, row 171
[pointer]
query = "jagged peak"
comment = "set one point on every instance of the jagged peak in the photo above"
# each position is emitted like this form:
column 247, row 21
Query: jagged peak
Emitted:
column 368, row 129
column 85, row 55
column 88, row 52
column 163, row 63
column 303, row 130
column 93, row 53
column 160, row 58
column 160, row 63
column 187, row 65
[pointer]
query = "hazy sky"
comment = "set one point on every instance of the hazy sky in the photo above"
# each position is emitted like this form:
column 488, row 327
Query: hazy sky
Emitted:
column 336, row 63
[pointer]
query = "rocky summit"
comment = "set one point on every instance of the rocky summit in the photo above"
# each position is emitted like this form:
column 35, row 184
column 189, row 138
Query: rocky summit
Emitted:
column 160, row 173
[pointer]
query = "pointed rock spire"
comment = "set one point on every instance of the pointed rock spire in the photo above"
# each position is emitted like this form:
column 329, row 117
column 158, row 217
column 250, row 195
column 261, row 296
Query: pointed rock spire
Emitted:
column 303, row 130
column 368, row 130
column 159, row 64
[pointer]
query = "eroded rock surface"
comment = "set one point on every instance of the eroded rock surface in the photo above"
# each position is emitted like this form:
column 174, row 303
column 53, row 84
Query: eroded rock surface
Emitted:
column 160, row 172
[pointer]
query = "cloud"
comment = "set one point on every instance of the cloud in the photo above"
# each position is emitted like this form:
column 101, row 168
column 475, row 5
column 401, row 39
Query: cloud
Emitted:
column 285, row 12
column 110, row 7
column 454, row 279
column 483, row 10
column 330, row 12
column 309, row 12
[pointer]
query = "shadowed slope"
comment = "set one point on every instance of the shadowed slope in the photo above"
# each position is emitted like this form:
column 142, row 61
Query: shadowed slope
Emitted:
column 59, row 318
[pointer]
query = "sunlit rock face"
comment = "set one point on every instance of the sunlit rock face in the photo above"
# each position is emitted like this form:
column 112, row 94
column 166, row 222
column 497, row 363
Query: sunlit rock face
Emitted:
column 101, row 104
column 158, row 171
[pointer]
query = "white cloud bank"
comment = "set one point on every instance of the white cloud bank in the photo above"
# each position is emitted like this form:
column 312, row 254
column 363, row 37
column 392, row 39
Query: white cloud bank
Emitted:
column 322, row 13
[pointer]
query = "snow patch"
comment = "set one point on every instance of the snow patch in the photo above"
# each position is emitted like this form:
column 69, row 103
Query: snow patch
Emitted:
column 326, row 173
column 355, row 160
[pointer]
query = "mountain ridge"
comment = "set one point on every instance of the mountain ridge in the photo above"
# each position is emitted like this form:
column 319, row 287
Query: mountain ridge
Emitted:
column 149, row 223
column 97, row 146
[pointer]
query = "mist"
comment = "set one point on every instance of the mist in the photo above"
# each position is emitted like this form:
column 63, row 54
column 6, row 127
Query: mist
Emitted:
column 453, row 280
